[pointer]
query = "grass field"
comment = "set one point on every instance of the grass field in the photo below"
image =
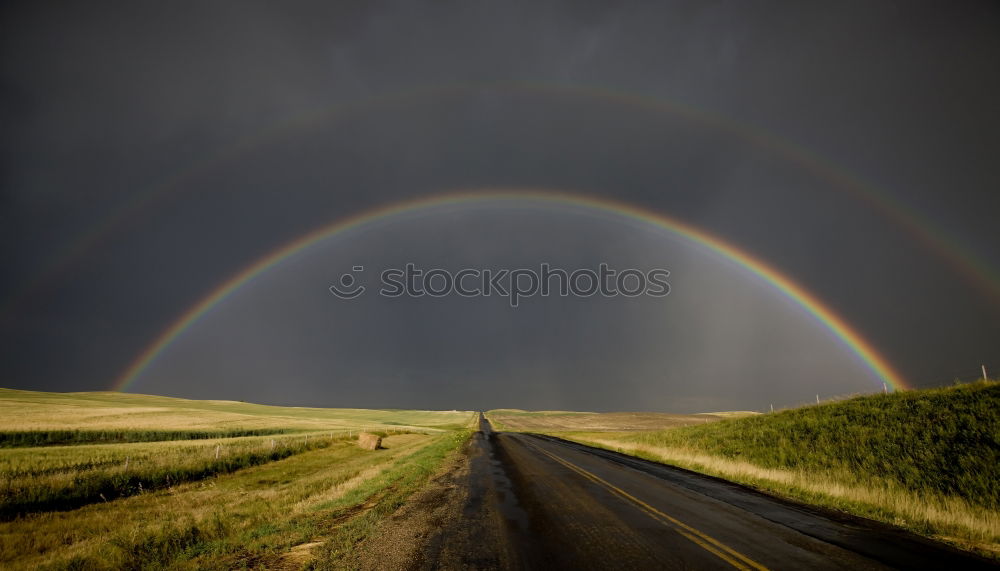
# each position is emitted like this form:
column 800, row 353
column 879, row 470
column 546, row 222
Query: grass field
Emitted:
column 927, row 460
column 132, row 481
column 547, row 421
column 35, row 438
column 38, row 411
column 112, row 481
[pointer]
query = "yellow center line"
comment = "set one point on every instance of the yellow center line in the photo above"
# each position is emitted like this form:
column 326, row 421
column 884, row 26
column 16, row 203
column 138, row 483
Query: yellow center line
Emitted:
column 703, row 540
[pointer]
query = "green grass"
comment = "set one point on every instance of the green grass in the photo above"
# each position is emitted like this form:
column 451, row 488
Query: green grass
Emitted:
column 67, row 478
column 927, row 460
column 250, row 518
column 122, row 481
column 945, row 441
column 335, row 525
column 29, row 438
column 391, row 488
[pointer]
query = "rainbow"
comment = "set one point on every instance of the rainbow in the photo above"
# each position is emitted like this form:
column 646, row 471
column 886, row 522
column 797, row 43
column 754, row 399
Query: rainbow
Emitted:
column 967, row 263
column 826, row 316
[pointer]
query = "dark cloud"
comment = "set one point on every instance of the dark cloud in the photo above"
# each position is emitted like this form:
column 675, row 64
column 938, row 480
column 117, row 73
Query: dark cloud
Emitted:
column 209, row 134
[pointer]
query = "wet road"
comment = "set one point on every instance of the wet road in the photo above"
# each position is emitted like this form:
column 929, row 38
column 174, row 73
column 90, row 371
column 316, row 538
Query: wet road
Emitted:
column 567, row 506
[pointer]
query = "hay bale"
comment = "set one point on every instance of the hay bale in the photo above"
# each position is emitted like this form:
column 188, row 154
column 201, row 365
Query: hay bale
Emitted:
column 369, row 441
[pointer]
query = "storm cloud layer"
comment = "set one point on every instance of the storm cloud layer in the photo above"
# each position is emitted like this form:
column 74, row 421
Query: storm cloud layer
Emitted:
column 151, row 151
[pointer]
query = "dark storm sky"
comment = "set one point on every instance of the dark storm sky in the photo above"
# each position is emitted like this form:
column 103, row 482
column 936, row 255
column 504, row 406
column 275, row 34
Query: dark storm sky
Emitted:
column 210, row 133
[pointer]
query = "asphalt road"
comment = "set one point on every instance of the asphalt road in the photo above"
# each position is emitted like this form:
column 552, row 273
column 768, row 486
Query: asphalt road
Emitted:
column 569, row 506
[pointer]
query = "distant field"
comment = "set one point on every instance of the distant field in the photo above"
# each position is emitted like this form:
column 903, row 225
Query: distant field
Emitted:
column 108, row 480
column 555, row 421
column 29, row 410
column 927, row 460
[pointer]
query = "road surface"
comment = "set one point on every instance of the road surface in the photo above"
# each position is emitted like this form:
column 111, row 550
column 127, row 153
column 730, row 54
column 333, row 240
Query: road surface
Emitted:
column 567, row 506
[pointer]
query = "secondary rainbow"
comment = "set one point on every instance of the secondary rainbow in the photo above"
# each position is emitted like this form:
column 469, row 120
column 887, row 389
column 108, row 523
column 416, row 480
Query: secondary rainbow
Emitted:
column 793, row 291
column 971, row 265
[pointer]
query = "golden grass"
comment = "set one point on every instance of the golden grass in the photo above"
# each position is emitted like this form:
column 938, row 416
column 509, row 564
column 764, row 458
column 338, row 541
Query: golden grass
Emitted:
column 514, row 420
column 29, row 410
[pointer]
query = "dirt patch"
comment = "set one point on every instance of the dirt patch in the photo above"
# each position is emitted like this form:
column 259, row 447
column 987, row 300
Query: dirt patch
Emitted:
column 297, row 556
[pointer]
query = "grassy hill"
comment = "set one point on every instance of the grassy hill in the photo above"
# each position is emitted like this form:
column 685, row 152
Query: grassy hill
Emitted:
column 928, row 460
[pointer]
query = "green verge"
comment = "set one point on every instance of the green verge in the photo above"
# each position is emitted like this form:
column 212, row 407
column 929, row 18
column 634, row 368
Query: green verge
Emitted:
column 904, row 458
column 382, row 496
column 944, row 441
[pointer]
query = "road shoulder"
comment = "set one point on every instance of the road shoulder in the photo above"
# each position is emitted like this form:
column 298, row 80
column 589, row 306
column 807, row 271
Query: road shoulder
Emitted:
column 451, row 523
